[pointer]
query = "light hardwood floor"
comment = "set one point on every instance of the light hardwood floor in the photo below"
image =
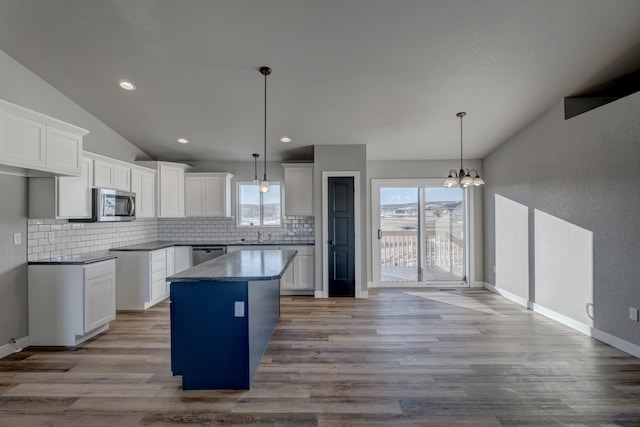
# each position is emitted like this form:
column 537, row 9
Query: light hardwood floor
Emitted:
column 400, row 357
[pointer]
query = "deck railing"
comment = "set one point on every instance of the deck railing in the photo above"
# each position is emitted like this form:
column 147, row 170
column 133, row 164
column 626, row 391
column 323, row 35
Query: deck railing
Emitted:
column 442, row 250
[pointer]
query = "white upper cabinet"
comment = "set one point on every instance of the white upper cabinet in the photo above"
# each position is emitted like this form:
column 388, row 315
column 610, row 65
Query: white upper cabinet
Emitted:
column 208, row 194
column 103, row 173
column 121, row 177
column 110, row 173
column 298, row 189
column 74, row 193
column 64, row 150
column 143, row 184
column 22, row 142
column 35, row 142
column 62, row 197
column 170, row 189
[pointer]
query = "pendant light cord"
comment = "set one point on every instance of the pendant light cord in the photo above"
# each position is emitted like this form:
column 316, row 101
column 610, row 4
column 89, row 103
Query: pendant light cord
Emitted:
column 461, row 142
column 265, row 126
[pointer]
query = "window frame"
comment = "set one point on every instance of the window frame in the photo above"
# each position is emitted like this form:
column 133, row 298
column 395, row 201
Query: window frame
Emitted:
column 239, row 184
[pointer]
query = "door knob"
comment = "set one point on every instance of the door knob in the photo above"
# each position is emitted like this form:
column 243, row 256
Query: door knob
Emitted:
column 331, row 242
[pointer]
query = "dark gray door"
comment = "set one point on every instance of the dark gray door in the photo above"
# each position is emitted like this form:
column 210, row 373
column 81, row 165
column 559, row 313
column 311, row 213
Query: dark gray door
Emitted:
column 341, row 237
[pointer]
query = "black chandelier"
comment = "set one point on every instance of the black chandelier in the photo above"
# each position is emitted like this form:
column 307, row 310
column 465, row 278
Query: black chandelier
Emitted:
column 462, row 178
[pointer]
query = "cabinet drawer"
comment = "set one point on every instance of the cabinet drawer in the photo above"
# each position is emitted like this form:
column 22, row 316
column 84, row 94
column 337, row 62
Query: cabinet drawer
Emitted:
column 160, row 255
column 158, row 289
column 158, row 265
column 159, row 275
column 99, row 269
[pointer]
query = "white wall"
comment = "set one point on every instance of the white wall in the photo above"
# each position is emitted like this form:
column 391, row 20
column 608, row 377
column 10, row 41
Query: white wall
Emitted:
column 13, row 270
column 512, row 247
column 583, row 172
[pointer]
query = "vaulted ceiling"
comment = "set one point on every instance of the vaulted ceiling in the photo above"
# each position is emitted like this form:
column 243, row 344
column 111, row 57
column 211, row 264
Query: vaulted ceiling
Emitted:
column 389, row 74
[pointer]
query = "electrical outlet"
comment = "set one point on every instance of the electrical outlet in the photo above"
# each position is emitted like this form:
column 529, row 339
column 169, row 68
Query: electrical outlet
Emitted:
column 239, row 309
column 633, row 313
column 17, row 238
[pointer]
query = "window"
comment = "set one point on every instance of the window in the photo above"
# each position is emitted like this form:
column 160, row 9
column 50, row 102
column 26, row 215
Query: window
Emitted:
column 256, row 208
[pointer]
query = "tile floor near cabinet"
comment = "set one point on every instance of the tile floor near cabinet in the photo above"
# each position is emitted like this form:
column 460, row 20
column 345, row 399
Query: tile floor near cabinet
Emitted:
column 400, row 357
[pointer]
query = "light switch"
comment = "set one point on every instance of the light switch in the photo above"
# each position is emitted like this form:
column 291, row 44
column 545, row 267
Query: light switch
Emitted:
column 17, row 238
column 239, row 309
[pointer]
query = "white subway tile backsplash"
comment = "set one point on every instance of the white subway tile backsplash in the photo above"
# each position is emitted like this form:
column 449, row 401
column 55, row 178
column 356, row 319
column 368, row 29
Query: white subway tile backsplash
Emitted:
column 78, row 238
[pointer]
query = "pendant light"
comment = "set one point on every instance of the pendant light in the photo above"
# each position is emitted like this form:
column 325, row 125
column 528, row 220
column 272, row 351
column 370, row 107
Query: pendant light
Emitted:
column 462, row 178
column 255, row 168
column 264, row 185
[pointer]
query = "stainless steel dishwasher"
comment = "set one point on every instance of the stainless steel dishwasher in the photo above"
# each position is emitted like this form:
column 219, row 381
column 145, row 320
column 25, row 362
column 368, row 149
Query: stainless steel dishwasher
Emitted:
column 200, row 254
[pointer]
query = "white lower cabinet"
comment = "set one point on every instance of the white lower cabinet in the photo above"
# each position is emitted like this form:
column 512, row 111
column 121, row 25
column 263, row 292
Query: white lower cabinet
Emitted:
column 69, row 304
column 142, row 277
column 299, row 278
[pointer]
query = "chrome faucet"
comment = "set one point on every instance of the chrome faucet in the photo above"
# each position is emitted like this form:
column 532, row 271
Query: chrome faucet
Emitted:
column 259, row 236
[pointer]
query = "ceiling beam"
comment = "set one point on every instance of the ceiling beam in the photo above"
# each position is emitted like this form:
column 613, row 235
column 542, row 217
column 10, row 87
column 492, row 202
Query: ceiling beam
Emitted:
column 602, row 94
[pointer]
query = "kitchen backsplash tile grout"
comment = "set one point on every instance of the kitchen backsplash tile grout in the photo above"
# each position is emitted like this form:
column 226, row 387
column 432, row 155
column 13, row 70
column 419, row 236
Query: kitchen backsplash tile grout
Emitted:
column 48, row 238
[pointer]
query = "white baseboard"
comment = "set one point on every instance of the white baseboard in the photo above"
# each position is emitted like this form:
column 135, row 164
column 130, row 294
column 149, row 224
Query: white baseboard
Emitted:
column 616, row 342
column 438, row 285
column 508, row 295
column 8, row 349
column 561, row 318
column 320, row 294
column 606, row 338
column 362, row 294
column 478, row 284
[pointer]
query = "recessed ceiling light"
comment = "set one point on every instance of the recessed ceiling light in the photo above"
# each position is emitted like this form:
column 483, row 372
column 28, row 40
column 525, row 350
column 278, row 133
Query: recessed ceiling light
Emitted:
column 183, row 140
column 285, row 139
column 126, row 85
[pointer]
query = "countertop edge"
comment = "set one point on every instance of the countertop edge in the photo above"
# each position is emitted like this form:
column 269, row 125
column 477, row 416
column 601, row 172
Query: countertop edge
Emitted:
column 176, row 279
column 62, row 261
column 154, row 246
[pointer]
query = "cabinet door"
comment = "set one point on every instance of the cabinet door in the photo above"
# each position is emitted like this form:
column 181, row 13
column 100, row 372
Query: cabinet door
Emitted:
column 304, row 272
column 22, row 141
column 194, row 196
column 102, row 174
column 215, row 194
column 136, row 187
column 288, row 280
column 74, row 193
column 64, row 151
column 143, row 184
column 298, row 192
column 122, row 178
column 148, row 202
column 171, row 191
column 99, row 301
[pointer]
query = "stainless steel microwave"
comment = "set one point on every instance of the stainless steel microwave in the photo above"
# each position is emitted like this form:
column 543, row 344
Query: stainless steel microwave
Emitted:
column 111, row 205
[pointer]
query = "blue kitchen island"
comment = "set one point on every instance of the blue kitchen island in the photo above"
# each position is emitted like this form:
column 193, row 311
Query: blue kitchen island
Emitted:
column 223, row 313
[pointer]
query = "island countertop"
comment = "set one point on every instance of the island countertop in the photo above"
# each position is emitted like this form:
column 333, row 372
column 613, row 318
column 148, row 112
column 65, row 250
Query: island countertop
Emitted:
column 246, row 265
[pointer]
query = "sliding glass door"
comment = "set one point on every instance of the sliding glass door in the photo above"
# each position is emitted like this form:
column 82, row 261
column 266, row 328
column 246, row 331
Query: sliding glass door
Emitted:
column 419, row 232
column 399, row 222
column 444, row 235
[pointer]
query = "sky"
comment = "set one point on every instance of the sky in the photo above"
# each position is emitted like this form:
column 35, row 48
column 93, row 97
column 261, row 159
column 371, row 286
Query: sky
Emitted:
column 395, row 195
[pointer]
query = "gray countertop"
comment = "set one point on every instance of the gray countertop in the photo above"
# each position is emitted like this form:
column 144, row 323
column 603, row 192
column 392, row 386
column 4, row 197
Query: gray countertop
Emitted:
column 243, row 266
column 159, row 244
column 81, row 259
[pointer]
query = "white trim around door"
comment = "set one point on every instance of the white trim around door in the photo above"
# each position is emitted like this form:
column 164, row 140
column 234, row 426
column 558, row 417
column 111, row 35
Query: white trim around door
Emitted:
column 324, row 293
